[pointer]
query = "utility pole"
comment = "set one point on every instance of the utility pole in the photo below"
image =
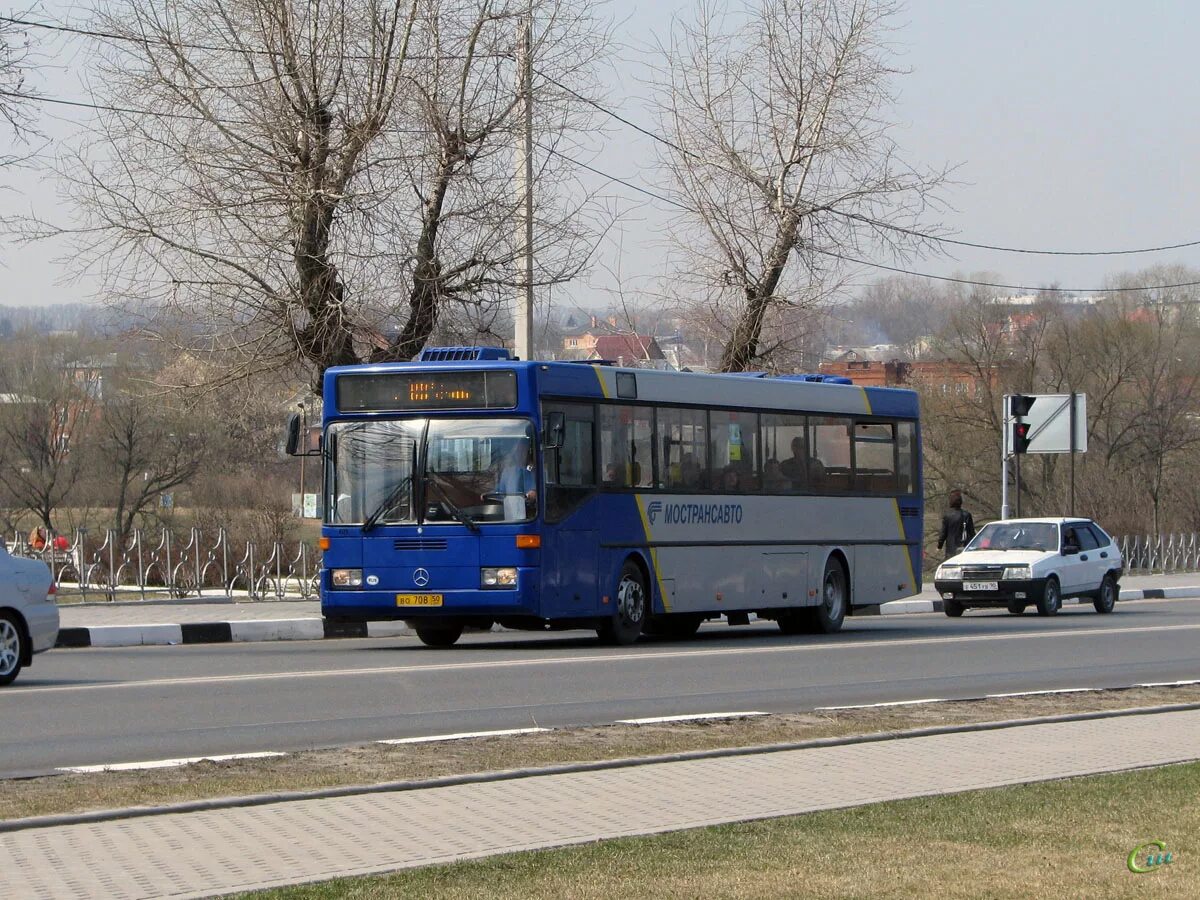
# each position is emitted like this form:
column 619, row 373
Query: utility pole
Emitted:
column 523, row 313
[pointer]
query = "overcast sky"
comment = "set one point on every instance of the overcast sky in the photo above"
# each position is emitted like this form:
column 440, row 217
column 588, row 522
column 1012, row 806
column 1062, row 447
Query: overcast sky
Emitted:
column 1072, row 122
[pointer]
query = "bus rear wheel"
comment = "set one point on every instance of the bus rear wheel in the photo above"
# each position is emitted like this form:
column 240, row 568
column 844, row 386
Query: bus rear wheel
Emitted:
column 632, row 602
column 829, row 615
column 438, row 634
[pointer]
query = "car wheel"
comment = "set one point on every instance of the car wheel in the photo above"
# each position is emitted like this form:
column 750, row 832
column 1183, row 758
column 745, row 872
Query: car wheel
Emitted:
column 1051, row 600
column 828, row 617
column 633, row 602
column 953, row 608
column 1016, row 607
column 1106, row 598
column 12, row 649
column 439, row 634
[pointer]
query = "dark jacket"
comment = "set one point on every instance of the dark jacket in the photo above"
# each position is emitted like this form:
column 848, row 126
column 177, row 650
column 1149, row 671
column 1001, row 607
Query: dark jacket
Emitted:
column 957, row 528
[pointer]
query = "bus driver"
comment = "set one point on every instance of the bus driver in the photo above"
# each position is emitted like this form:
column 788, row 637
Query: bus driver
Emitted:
column 517, row 481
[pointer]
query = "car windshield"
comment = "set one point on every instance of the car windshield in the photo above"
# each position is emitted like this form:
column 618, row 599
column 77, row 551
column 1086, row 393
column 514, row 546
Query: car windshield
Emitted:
column 476, row 470
column 1016, row 536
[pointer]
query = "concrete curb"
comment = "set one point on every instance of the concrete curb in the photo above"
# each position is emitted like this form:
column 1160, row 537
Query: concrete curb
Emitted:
column 312, row 629
column 216, row 803
column 225, row 632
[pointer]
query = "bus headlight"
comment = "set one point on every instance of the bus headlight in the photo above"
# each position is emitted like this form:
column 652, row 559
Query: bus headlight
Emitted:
column 949, row 573
column 498, row 578
column 1017, row 573
column 345, row 578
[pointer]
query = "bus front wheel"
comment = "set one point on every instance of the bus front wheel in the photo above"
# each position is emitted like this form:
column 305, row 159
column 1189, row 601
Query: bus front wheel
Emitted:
column 632, row 608
column 438, row 634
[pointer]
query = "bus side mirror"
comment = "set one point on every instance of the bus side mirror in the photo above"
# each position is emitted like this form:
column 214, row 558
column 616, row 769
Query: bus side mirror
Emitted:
column 291, row 445
column 552, row 433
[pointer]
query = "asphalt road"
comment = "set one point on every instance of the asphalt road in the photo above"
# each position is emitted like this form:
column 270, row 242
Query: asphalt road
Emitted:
column 81, row 707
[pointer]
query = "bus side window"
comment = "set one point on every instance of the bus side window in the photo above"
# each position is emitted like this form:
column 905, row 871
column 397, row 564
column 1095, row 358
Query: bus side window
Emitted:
column 571, row 468
column 627, row 446
column 683, row 443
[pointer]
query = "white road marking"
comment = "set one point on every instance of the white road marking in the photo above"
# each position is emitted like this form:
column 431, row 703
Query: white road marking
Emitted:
column 891, row 703
column 1054, row 691
column 602, row 659
column 658, row 720
column 1168, row 683
column 429, row 739
column 165, row 763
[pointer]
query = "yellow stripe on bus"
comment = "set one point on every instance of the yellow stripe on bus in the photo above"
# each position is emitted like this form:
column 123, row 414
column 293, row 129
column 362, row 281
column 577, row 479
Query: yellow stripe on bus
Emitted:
column 662, row 591
column 912, row 575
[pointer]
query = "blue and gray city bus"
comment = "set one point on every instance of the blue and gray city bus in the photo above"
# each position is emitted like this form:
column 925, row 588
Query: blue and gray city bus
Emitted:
column 468, row 489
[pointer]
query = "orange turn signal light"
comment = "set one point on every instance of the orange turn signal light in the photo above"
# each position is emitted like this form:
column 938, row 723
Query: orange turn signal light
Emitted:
column 529, row 541
column 323, row 543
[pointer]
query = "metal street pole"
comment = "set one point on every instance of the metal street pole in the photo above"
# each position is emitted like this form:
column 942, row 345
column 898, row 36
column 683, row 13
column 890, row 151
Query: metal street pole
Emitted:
column 1071, row 505
column 303, row 450
column 523, row 313
column 1004, row 430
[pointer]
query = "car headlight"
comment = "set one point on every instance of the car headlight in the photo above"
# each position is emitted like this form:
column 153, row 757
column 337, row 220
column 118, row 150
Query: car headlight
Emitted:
column 949, row 573
column 1017, row 573
column 345, row 578
column 498, row 577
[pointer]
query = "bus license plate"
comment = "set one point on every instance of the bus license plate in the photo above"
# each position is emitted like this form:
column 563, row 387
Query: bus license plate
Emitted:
column 418, row 599
column 980, row 586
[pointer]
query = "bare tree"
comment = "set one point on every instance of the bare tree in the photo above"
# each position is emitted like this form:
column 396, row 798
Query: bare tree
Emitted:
column 47, row 396
column 320, row 182
column 14, row 64
column 782, row 156
column 143, row 449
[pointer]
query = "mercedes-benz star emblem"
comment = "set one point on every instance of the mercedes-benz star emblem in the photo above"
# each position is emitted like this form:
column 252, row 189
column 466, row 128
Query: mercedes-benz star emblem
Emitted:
column 420, row 577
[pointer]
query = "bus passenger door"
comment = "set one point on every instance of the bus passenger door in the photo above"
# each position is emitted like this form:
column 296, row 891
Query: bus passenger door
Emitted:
column 569, row 566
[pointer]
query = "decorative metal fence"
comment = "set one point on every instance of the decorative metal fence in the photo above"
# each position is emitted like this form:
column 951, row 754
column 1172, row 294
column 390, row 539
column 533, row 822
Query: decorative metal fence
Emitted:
column 1146, row 554
column 144, row 567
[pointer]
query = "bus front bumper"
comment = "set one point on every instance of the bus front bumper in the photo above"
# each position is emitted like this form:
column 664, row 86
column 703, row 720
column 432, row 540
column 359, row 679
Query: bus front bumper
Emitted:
column 385, row 606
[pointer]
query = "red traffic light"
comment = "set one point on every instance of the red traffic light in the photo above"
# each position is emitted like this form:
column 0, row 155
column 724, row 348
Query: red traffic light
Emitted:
column 1020, row 437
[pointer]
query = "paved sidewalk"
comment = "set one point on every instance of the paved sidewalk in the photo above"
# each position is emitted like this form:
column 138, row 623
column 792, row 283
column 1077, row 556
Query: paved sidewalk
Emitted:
column 159, row 622
column 218, row 851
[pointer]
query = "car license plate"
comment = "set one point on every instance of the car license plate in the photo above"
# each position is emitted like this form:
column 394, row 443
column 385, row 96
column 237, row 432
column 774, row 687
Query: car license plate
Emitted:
column 980, row 586
column 418, row 599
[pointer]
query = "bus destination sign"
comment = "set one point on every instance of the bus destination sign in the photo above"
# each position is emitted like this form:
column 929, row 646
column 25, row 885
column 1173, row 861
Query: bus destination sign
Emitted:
column 399, row 391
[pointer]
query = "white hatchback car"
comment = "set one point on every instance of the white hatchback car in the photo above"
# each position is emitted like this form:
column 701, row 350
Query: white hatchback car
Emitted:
column 28, row 613
column 1015, row 562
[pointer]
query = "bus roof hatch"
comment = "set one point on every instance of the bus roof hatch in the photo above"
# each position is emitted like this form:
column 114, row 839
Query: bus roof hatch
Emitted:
column 463, row 354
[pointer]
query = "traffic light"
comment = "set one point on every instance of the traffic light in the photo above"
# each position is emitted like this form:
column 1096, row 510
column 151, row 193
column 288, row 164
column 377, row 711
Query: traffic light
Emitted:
column 1019, row 405
column 1020, row 437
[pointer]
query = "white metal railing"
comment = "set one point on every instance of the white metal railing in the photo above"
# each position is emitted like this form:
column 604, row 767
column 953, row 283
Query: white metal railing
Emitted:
column 1165, row 553
column 148, row 567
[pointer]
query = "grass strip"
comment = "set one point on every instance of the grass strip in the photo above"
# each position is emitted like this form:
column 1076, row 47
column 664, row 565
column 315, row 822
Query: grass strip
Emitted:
column 1068, row 838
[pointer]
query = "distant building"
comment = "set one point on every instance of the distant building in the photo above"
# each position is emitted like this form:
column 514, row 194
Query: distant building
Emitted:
column 944, row 376
column 628, row 350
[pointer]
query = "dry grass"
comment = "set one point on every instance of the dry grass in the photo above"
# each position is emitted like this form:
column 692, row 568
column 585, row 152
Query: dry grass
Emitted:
column 374, row 763
column 1059, row 839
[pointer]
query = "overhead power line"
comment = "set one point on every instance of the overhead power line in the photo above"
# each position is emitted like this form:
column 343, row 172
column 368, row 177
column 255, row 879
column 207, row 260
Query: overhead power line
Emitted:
column 876, row 223
column 862, row 262
column 210, row 48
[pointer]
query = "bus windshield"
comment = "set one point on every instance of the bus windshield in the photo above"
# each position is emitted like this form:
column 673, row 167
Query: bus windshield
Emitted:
column 475, row 471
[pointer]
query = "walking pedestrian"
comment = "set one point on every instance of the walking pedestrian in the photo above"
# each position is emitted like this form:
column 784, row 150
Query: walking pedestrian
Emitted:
column 958, row 527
